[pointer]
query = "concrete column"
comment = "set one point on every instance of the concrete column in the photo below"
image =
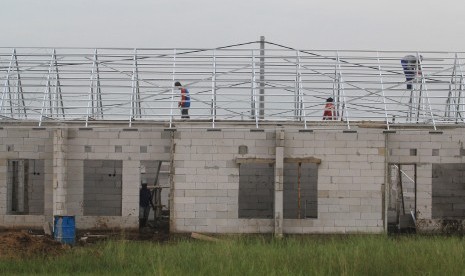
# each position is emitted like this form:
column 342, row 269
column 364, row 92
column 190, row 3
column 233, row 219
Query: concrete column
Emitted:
column 279, row 184
column 60, row 137
column 130, row 193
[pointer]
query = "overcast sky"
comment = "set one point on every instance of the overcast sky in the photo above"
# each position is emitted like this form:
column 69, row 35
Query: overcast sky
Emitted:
column 304, row 24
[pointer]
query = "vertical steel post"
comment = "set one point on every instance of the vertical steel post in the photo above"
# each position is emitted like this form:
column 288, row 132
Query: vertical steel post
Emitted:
column 458, row 90
column 90, row 102
column 452, row 89
column 6, row 87
column 172, row 87
column 59, row 96
column 47, row 92
column 135, row 96
column 19, row 90
column 382, row 90
column 262, row 78
column 296, row 89
column 301, row 93
column 341, row 85
column 213, row 100
column 254, row 91
column 420, row 99
column 99, row 89
column 459, row 110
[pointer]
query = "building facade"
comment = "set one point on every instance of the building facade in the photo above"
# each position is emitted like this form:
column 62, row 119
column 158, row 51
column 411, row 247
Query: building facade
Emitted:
column 235, row 178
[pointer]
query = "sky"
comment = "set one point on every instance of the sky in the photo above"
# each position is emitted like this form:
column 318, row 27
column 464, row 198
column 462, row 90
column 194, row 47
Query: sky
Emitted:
column 423, row 25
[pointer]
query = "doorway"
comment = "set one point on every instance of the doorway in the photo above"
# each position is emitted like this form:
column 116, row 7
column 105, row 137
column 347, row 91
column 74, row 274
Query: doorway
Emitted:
column 401, row 201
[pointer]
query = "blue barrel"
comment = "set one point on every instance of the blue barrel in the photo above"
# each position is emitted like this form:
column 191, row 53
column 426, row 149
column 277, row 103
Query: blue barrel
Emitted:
column 64, row 229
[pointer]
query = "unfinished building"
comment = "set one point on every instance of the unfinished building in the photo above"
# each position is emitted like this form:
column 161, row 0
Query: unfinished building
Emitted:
column 82, row 129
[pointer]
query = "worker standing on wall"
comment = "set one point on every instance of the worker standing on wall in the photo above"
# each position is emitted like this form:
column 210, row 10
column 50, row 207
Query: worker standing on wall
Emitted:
column 330, row 112
column 185, row 101
column 145, row 201
column 412, row 67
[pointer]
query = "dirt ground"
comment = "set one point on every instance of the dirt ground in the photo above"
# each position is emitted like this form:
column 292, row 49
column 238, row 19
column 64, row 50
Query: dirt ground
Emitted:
column 23, row 244
column 26, row 243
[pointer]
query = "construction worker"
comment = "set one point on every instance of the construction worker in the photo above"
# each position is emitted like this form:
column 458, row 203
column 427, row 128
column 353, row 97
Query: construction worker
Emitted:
column 145, row 201
column 330, row 112
column 185, row 101
column 411, row 66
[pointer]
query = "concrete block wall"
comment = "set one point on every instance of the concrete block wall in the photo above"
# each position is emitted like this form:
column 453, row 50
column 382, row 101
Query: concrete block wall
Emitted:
column 206, row 180
column 350, row 179
column 448, row 191
column 75, row 189
column 128, row 146
column 21, row 143
column 102, row 187
column 207, row 177
column 36, row 189
column 424, row 148
column 256, row 191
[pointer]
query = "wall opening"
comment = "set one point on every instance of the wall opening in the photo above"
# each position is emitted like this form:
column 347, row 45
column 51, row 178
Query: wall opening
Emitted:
column 300, row 190
column 25, row 187
column 448, row 191
column 402, row 204
column 102, row 187
column 157, row 176
column 256, row 190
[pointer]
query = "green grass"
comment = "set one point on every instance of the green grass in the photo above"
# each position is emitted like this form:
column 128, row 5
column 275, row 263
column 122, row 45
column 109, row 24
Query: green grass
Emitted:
column 306, row 255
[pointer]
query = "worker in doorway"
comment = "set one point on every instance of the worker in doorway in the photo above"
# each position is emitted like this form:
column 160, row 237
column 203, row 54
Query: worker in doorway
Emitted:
column 185, row 101
column 145, row 202
column 330, row 112
column 412, row 67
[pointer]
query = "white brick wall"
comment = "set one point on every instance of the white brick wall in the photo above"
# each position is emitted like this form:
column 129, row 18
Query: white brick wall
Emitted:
column 350, row 176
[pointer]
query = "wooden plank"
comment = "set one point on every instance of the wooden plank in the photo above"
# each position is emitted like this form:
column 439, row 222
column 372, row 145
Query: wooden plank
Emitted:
column 203, row 237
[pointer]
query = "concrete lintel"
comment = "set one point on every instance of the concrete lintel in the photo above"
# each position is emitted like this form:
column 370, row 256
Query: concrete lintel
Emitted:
column 302, row 160
column 130, row 129
column 272, row 160
column 255, row 160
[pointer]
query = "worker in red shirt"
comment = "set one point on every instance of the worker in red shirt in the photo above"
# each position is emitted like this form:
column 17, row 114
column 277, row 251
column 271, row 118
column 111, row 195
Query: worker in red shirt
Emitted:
column 330, row 112
column 185, row 101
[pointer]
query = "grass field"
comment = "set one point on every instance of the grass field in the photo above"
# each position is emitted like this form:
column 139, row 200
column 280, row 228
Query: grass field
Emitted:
column 306, row 255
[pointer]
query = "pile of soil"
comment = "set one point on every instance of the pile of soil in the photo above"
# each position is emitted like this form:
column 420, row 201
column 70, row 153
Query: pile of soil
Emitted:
column 23, row 244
